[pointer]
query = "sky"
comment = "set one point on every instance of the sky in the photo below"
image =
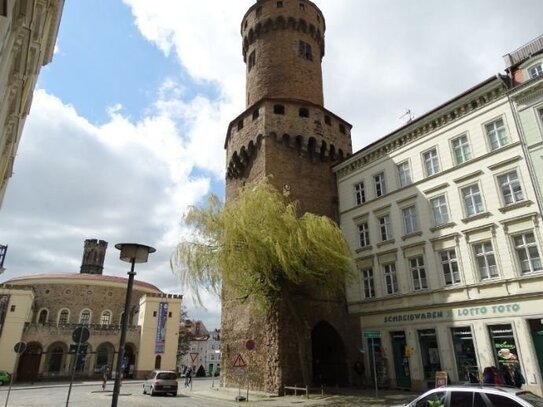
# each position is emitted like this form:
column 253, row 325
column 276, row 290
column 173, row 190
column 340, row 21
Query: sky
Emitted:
column 128, row 122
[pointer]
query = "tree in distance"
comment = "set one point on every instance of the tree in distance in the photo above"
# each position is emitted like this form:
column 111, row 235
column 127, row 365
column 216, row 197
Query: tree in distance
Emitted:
column 260, row 248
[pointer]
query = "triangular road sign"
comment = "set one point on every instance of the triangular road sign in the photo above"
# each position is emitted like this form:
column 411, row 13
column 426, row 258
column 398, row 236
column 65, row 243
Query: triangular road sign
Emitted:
column 239, row 362
column 193, row 356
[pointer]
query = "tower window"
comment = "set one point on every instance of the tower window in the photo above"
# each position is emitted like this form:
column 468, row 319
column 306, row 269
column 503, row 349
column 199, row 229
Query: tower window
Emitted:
column 327, row 120
column 303, row 112
column 240, row 124
column 246, row 23
column 279, row 109
column 304, row 50
column 279, row 4
column 342, row 129
column 302, row 7
column 252, row 60
column 259, row 11
column 256, row 113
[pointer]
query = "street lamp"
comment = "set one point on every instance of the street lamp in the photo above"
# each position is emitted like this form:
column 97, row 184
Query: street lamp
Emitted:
column 132, row 253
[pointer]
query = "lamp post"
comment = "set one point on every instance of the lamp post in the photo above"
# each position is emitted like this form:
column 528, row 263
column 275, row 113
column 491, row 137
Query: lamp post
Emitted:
column 132, row 253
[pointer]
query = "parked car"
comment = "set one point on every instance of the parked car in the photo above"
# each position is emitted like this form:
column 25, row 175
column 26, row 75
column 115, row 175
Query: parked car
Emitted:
column 477, row 396
column 161, row 382
column 4, row 377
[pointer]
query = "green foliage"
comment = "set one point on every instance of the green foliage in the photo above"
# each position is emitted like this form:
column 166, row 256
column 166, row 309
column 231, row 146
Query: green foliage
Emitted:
column 257, row 244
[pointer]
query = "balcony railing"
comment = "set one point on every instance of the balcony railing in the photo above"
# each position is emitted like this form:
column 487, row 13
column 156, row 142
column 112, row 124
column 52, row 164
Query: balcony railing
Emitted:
column 52, row 328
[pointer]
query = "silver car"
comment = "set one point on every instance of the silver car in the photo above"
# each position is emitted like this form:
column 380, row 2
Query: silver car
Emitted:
column 477, row 396
column 161, row 382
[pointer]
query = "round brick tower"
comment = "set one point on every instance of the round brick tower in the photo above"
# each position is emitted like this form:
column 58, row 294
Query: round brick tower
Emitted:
column 285, row 132
column 94, row 254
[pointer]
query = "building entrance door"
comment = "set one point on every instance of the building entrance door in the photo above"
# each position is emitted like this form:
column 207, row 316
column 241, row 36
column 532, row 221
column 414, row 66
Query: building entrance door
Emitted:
column 536, row 328
column 401, row 360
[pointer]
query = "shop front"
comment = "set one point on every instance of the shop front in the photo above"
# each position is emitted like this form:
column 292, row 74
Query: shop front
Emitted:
column 460, row 341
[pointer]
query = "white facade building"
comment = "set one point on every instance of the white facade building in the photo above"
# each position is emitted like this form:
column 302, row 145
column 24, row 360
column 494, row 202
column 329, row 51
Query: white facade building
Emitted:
column 444, row 225
column 28, row 32
column 204, row 350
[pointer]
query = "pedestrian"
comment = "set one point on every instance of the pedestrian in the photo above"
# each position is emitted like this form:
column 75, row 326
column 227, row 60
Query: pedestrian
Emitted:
column 488, row 375
column 507, row 376
column 105, row 374
column 518, row 378
column 188, row 377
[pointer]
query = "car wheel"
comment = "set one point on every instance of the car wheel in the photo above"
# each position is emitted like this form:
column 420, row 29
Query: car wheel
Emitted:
column 144, row 392
column 153, row 394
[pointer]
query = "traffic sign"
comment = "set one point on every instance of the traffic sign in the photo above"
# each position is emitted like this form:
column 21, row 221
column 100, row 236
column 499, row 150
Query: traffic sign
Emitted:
column 372, row 334
column 193, row 356
column 20, row 347
column 80, row 334
column 239, row 362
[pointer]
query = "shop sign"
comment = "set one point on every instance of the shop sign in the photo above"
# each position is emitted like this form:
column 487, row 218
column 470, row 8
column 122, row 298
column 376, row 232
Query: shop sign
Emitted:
column 486, row 311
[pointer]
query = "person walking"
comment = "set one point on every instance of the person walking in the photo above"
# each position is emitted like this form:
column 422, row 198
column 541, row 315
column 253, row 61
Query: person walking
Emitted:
column 188, row 377
column 105, row 374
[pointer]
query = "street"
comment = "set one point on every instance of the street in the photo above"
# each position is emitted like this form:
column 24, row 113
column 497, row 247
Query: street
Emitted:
column 91, row 394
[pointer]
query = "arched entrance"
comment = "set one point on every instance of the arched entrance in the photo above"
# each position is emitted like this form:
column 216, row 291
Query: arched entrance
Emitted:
column 29, row 363
column 329, row 359
column 55, row 358
column 104, row 356
column 130, row 355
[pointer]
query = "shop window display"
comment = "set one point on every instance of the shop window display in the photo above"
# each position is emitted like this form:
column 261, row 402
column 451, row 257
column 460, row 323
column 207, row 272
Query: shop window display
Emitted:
column 464, row 353
column 429, row 353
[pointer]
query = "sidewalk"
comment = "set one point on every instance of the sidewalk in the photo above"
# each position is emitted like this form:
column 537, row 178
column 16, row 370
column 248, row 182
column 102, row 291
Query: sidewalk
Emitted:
column 342, row 397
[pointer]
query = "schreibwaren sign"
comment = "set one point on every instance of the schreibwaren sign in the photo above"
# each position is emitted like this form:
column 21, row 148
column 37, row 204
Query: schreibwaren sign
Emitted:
column 455, row 313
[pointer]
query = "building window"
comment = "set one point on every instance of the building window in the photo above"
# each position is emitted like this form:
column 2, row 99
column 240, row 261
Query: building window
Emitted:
column 240, row 124
column 391, row 279
column 328, row 120
column 449, row 264
column 279, row 109
column 256, row 114
column 259, row 11
column 42, row 317
column 252, row 60
column 304, row 50
column 497, row 136
column 440, row 210
column 364, row 234
column 342, row 129
column 303, row 112
column 64, row 317
column 473, row 201
column 385, row 228
column 418, row 273
column 410, row 220
column 528, row 255
column 380, row 187
column 461, row 150
column 279, row 4
column 535, row 71
column 4, row 8
column 484, row 254
column 431, row 162
column 404, row 173
column 360, row 193
column 368, row 283
column 510, row 188
column 105, row 318
column 85, row 317
column 158, row 361
column 302, row 6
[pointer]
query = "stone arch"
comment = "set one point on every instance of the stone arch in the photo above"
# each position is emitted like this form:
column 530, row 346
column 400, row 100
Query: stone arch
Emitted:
column 280, row 23
column 251, row 36
column 302, row 25
column 299, row 143
column 286, row 140
column 29, row 363
column 56, row 358
column 332, row 152
column 312, row 30
column 104, row 356
column 85, row 316
column 329, row 356
column 130, row 354
column 258, row 29
column 106, row 317
column 268, row 26
column 63, row 316
column 291, row 23
column 311, row 146
column 340, row 154
column 323, row 150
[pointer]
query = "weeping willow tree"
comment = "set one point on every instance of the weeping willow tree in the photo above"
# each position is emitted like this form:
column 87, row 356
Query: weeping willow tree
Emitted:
column 260, row 248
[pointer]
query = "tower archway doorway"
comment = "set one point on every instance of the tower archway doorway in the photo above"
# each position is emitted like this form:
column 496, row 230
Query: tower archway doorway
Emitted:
column 329, row 359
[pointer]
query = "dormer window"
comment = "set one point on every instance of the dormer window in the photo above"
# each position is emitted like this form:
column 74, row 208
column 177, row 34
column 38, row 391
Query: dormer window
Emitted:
column 535, row 70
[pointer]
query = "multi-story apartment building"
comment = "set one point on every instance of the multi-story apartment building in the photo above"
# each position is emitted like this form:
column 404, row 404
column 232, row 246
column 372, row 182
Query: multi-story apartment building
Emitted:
column 203, row 355
column 28, row 32
column 443, row 221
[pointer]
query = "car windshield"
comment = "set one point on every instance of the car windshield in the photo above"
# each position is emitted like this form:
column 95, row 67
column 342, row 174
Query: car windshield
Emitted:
column 166, row 376
column 531, row 398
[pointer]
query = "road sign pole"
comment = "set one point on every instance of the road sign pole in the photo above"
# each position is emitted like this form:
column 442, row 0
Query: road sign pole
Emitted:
column 374, row 366
column 12, row 376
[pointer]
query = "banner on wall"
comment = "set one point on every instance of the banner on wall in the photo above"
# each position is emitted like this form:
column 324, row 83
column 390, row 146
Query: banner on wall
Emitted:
column 160, row 339
column 4, row 302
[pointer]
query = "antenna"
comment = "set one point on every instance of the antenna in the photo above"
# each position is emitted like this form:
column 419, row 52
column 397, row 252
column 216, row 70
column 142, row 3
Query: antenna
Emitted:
column 409, row 114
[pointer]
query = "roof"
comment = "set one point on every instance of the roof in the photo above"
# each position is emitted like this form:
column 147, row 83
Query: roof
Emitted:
column 523, row 53
column 78, row 278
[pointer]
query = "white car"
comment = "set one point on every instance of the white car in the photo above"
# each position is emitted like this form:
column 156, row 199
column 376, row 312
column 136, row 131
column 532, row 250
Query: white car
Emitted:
column 477, row 396
column 161, row 382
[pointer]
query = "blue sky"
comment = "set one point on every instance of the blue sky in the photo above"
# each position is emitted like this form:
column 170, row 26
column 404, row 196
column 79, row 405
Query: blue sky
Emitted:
column 128, row 122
